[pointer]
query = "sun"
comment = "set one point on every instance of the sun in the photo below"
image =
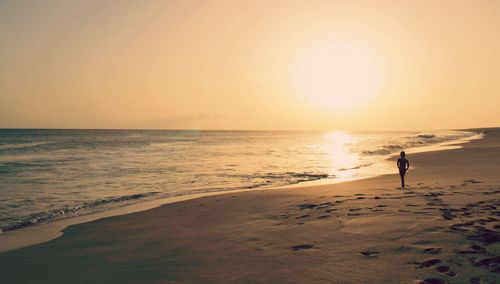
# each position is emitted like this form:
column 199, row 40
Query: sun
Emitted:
column 338, row 77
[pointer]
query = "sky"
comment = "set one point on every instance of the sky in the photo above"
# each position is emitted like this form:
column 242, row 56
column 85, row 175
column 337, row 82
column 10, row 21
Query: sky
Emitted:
column 229, row 64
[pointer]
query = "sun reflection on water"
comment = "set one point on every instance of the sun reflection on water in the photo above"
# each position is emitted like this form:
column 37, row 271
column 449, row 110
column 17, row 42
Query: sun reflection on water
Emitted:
column 342, row 160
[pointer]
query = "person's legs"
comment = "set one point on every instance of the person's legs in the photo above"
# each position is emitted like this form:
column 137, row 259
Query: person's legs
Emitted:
column 402, row 175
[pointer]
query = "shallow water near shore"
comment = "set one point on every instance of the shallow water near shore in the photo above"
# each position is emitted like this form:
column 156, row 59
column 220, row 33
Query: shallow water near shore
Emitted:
column 47, row 175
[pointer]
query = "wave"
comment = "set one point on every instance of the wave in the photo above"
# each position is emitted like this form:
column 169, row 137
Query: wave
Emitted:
column 384, row 150
column 355, row 167
column 43, row 217
column 287, row 177
column 422, row 139
column 267, row 180
column 21, row 145
column 426, row 136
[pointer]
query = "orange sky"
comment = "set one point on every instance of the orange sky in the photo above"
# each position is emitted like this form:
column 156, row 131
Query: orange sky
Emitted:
column 350, row 65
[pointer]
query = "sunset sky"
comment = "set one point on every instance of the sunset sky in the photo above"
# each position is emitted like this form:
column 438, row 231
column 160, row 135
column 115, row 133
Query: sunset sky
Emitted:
column 227, row 64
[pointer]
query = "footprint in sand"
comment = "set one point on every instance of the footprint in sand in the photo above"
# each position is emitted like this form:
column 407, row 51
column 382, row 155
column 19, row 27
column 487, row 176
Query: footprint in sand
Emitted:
column 323, row 216
column 306, row 206
column 323, row 207
column 370, row 253
column 491, row 192
column 445, row 270
column 280, row 216
column 490, row 263
column 427, row 262
column 377, row 208
column 485, row 221
column 442, row 269
column 302, row 247
column 475, row 280
column 461, row 227
column 451, row 273
column 432, row 250
column 484, row 235
column 447, row 214
column 432, row 281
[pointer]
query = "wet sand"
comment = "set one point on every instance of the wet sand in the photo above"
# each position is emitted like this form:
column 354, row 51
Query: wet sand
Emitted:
column 443, row 228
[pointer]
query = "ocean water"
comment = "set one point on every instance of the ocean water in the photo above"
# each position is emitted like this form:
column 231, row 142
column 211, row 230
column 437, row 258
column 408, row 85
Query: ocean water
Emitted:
column 51, row 174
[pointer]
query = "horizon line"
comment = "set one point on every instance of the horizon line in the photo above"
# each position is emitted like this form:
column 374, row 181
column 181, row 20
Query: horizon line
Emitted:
column 242, row 130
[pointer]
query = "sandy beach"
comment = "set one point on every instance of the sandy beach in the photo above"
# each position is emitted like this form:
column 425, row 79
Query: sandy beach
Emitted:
column 250, row 141
column 442, row 229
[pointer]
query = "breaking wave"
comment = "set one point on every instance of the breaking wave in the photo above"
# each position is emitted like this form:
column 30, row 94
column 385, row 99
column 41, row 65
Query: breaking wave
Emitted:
column 418, row 140
column 43, row 217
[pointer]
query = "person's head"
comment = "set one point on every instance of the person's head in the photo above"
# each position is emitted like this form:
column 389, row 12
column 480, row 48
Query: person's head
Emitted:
column 402, row 154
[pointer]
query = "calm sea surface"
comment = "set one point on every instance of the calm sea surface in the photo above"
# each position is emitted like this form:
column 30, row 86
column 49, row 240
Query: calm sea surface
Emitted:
column 51, row 174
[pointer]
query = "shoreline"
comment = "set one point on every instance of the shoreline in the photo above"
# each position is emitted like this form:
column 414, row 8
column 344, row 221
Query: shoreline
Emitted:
column 45, row 232
column 442, row 228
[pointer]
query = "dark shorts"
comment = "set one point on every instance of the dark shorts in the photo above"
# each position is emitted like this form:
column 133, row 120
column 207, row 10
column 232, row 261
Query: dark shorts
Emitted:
column 402, row 172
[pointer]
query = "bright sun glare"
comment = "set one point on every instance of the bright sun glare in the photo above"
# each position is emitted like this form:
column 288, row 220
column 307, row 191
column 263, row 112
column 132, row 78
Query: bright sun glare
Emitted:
column 338, row 77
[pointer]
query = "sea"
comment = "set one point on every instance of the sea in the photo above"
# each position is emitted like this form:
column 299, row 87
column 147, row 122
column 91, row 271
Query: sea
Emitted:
column 49, row 174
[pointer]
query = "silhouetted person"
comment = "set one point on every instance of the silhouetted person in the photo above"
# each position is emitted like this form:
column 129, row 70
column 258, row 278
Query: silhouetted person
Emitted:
column 403, row 166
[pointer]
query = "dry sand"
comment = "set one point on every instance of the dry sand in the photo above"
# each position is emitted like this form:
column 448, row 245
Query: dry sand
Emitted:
column 443, row 228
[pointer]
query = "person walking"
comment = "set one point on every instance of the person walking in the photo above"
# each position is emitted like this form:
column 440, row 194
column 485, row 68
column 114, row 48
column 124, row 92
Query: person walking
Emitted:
column 403, row 166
